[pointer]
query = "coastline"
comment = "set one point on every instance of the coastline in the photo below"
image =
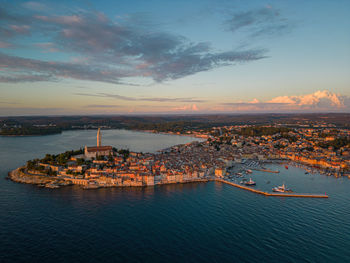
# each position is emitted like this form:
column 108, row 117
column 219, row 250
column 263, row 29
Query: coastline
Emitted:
column 56, row 182
column 29, row 135
column 19, row 176
column 172, row 133
column 145, row 131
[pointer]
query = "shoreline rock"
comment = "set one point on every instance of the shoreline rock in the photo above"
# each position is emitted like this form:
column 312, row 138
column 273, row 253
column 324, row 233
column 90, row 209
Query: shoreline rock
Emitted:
column 20, row 177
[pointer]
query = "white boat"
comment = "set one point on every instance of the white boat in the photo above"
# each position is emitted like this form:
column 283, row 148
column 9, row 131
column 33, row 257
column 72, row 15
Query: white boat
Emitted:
column 281, row 189
column 243, row 181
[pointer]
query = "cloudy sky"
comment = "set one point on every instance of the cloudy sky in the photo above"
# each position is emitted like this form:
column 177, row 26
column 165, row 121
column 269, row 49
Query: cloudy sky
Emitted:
column 118, row 57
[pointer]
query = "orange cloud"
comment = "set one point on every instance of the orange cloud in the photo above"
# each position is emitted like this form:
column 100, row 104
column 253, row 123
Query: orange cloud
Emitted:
column 317, row 101
column 192, row 107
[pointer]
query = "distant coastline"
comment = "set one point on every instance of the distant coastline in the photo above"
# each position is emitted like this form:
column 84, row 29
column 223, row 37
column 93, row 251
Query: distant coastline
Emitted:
column 29, row 131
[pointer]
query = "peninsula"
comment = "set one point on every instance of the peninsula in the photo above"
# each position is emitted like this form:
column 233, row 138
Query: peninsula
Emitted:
column 105, row 166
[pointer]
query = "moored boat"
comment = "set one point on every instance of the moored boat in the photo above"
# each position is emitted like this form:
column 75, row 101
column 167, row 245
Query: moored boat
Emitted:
column 91, row 186
column 243, row 181
column 250, row 182
column 281, row 189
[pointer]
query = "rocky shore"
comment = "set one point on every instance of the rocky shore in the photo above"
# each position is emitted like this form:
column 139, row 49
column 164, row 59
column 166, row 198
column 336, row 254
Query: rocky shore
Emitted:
column 20, row 176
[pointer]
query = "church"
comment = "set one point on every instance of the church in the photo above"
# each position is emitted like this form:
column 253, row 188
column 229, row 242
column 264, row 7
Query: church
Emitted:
column 99, row 150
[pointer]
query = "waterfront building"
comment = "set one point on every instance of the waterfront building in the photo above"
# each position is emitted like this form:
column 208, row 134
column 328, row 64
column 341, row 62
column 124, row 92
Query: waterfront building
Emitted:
column 220, row 172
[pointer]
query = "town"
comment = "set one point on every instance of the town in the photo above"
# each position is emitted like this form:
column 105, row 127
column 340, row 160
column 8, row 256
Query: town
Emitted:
column 225, row 151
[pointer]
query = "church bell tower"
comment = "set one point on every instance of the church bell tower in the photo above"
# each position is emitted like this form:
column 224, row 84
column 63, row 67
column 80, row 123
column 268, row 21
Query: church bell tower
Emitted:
column 99, row 138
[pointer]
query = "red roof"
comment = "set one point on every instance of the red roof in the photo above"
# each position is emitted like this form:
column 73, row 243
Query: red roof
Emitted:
column 99, row 148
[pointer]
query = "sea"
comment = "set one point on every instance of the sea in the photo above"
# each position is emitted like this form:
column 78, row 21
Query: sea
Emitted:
column 194, row 222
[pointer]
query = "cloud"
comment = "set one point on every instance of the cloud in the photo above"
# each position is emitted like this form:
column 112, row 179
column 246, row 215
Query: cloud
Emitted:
column 25, row 78
column 28, row 111
column 314, row 102
column 153, row 99
column 101, row 106
column 47, row 46
column 115, row 50
column 8, row 102
column 319, row 98
column 192, row 107
column 13, row 25
column 36, row 6
column 264, row 21
column 5, row 44
column 22, row 29
column 38, row 70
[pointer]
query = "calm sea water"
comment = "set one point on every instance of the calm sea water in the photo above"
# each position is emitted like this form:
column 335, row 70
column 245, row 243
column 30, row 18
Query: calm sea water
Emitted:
column 203, row 222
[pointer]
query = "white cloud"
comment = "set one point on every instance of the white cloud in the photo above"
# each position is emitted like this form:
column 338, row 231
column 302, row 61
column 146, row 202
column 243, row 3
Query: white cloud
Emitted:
column 191, row 107
column 324, row 97
column 315, row 102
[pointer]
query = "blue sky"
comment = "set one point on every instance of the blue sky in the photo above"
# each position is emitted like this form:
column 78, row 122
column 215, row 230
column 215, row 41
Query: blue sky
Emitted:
column 122, row 57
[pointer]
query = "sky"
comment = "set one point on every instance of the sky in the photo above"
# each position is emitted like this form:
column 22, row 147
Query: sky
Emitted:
column 173, row 57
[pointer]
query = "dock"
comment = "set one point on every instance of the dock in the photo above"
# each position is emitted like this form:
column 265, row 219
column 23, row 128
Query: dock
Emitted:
column 272, row 194
column 265, row 170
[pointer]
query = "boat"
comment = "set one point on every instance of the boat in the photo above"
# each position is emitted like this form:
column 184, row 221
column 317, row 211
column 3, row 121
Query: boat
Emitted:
column 281, row 189
column 249, row 171
column 243, row 181
column 91, row 186
column 52, row 185
column 250, row 182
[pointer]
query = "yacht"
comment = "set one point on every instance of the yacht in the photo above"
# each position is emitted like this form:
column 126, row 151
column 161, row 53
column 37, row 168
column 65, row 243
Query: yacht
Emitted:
column 281, row 189
column 250, row 182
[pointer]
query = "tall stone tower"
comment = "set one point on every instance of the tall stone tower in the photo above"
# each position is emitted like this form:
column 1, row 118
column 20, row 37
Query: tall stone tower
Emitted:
column 99, row 138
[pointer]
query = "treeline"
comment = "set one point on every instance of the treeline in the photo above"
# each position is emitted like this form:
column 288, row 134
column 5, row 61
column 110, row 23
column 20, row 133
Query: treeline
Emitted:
column 29, row 130
column 163, row 123
column 53, row 159
column 173, row 126
column 339, row 119
column 261, row 130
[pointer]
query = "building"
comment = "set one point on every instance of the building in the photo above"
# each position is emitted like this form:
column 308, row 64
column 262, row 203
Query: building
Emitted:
column 99, row 150
column 99, row 137
column 220, row 172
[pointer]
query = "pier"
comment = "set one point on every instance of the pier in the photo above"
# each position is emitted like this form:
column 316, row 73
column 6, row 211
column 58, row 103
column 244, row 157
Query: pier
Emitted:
column 265, row 170
column 272, row 194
